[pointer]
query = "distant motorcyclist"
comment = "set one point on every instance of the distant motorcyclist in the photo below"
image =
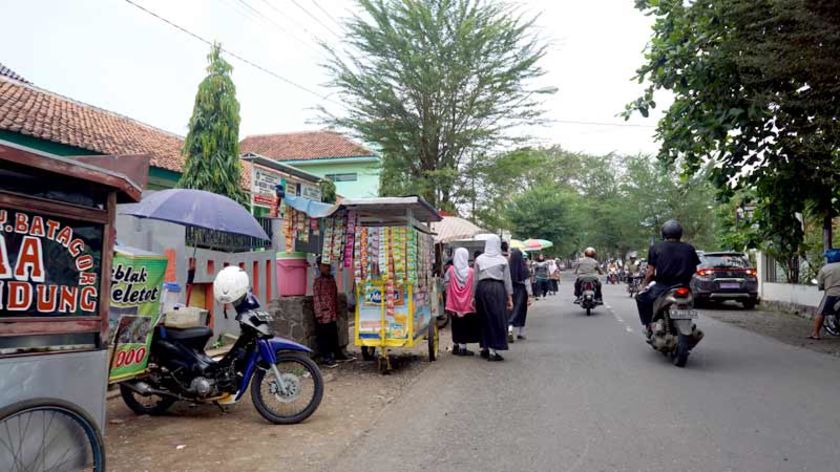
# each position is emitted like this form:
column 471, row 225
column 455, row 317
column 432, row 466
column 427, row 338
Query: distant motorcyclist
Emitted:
column 587, row 267
column 633, row 265
column 669, row 262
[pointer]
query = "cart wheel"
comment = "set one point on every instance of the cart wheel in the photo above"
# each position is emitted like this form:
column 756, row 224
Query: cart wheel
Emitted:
column 368, row 353
column 433, row 339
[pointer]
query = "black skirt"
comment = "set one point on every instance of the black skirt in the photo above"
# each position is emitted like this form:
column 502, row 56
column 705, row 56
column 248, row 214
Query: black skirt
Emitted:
column 520, row 305
column 491, row 305
column 466, row 329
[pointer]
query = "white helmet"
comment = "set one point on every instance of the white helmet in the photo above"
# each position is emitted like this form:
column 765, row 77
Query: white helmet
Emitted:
column 231, row 285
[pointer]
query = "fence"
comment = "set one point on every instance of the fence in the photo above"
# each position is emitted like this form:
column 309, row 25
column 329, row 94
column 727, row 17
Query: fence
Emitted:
column 225, row 242
column 778, row 272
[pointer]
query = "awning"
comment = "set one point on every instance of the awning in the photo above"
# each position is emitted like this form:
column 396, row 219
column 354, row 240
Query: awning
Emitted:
column 453, row 228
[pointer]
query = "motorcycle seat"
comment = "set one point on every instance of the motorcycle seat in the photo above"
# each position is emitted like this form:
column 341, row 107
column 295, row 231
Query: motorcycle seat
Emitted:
column 183, row 334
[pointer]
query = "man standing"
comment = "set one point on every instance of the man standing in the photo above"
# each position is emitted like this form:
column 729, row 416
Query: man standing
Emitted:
column 670, row 262
column 541, row 274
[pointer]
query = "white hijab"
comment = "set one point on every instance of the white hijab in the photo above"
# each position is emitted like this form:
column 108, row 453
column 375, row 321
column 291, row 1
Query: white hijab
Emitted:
column 461, row 265
column 492, row 253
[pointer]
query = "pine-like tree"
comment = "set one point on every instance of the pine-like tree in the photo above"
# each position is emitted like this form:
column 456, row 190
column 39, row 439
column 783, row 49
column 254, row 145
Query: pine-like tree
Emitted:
column 211, row 148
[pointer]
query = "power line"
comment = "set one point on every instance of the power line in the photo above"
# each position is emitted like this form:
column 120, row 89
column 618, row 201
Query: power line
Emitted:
column 601, row 123
column 319, row 40
column 233, row 54
column 329, row 15
column 250, row 13
column 318, row 20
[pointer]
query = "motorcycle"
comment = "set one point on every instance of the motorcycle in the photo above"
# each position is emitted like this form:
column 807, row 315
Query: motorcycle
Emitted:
column 672, row 331
column 286, row 385
column 612, row 278
column 587, row 298
column 634, row 284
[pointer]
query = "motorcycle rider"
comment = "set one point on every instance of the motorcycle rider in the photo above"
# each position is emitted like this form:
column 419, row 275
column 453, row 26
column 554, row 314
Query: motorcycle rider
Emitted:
column 632, row 265
column 669, row 263
column 588, row 267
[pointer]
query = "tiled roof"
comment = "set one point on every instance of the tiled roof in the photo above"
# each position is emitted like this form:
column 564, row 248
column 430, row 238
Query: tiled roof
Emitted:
column 306, row 145
column 35, row 112
column 6, row 72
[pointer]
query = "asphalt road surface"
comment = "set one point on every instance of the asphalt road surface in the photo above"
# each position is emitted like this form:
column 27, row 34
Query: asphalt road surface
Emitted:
column 587, row 394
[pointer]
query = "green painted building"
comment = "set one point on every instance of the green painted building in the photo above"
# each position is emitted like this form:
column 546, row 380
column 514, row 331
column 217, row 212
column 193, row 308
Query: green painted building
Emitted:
column 327, row 154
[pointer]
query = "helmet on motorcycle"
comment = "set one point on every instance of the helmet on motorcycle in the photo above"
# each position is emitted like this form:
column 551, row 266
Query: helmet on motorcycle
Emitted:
column 589, row 252
column 672, row 230
column 231, row 285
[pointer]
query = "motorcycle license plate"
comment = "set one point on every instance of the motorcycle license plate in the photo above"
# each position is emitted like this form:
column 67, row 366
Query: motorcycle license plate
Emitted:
column 683, row 314
column 729, row 285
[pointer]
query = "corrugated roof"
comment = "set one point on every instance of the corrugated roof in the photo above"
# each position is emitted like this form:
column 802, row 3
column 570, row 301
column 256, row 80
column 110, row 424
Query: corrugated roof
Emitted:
column 453, row 228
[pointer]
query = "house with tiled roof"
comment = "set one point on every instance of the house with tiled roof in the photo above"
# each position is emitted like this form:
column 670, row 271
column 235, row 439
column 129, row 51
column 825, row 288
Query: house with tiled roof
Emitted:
column 48, row 122
column 325, row 153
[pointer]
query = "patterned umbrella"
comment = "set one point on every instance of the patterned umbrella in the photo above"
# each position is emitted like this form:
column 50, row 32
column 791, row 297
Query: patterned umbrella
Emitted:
column 537, row 244
column 517, row 244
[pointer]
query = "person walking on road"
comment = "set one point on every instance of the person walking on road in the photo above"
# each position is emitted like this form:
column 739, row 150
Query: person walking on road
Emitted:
column 521, row 295
column 542, row 276
column 554, row 275
column 460, row 303
column 493, row 298
column 828, row 279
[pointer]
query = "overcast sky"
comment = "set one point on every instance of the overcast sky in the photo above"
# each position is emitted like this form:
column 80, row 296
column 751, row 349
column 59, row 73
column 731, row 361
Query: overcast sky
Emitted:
column 111, row 54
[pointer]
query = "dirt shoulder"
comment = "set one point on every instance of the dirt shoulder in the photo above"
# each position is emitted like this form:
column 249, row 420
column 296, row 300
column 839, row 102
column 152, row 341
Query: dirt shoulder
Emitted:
column 785, row 327
column 203, row 438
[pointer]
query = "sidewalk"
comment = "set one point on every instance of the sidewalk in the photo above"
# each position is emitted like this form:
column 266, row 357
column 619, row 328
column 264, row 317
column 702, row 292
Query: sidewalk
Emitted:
column 202, row 437
column 785, row 327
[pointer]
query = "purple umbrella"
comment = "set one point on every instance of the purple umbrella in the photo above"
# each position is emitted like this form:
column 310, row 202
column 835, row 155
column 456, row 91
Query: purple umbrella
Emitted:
column 197, row 208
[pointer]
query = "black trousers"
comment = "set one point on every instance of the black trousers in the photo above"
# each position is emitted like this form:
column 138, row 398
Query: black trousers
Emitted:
column 645, row 300
column 326, row 338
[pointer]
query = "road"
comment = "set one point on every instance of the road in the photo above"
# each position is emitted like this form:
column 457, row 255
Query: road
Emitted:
column 587, row 394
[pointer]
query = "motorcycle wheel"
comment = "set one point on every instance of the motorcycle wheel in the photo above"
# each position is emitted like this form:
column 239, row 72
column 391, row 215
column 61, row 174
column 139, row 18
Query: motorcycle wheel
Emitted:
column 680, row 355
column 153, row 405
column 303, row 381
column 832, row 325
column 588, row 311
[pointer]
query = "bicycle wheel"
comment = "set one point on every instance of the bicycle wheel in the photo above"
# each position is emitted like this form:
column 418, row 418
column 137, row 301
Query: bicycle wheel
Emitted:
column 49, row 435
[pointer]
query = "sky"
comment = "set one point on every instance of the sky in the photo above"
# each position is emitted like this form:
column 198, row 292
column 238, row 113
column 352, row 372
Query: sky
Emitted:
column 113, row 55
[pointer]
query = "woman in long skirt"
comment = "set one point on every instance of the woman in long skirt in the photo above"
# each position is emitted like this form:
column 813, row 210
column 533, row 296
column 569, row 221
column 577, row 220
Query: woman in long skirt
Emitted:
column 493, row 298
column 521, row 295
column 460, row 303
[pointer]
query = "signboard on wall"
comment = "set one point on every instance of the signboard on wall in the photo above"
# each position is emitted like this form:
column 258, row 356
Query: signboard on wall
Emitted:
column 262, row 186
column 49, row 266
column 136, row 283
column 311, row 192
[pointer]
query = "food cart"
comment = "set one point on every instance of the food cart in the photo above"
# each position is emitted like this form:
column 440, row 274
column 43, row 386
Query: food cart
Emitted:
column 56, row 242
column 396, row 292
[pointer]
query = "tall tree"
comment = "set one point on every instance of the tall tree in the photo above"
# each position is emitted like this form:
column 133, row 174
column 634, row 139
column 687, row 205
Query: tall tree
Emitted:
column 757, row 91
column 431, row 82
column 211, row 147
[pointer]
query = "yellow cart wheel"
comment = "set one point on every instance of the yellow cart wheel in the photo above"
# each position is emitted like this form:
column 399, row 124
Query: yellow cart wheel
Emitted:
column 433, row 339
column 384, row 362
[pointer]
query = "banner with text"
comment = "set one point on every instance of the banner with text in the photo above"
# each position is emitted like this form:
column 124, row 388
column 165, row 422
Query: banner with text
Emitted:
column 136, row 286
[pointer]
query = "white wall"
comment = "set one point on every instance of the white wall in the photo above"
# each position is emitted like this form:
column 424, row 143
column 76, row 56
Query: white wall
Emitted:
column 793, row 294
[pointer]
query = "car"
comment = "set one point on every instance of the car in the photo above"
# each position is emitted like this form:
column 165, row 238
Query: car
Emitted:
column 723, row 276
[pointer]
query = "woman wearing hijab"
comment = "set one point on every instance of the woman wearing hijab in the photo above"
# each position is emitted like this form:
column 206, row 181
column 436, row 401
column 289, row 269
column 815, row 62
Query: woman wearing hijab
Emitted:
column 554, row 275
column 522, row 294
column 466, row 327
column 493, row 298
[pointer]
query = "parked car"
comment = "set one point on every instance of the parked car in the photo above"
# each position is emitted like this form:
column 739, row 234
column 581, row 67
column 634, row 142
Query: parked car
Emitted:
column 725, row 276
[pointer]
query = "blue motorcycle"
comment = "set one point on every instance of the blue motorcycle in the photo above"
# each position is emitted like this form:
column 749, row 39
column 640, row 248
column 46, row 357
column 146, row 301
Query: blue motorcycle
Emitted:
column 286, row 385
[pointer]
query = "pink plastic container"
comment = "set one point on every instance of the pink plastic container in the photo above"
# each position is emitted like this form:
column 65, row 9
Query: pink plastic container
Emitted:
column 291, row 274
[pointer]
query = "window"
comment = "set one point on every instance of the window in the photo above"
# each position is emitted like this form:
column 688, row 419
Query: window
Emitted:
column 352, row 177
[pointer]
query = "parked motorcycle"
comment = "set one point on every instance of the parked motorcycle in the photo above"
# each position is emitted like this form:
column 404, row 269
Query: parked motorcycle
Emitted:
column 587, row 298
column 286, row 385
column 673, row 332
